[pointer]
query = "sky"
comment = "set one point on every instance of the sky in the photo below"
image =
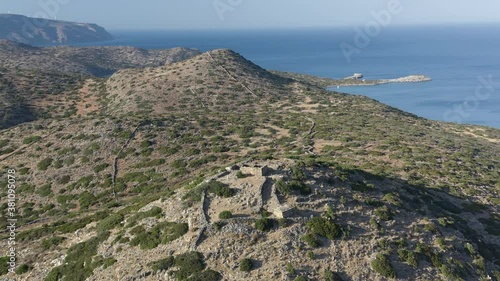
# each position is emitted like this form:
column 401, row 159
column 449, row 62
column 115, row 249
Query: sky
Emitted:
column 244, row 14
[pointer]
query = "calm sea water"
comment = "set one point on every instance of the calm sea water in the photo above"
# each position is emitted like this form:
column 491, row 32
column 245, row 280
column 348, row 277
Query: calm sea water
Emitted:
column 457, row 58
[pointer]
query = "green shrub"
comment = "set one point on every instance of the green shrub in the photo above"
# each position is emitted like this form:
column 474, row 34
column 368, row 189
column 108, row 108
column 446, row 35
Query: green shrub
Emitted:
column 64, row 179
column 4, row 266
column 331, row 276
column 246, row 265
column 392, row 198
column 300, row 278
column 108, row 262
column 325, row 228
column 146, row 144
column 431, row 227
column 109, row 223
column 162, row 233
column 408, row 257
column 283, row 222
column 179, row 163
column 290, row 269
column 52, row 242
column 99, row 168
column 312, row 240
column 298, row 172
column 23, row 268
column 86, row 200
column 45, row 164
column 219, row 189
column 264, row 224
column 225, row 215
column 153, row 212
column 311, row 255
column 45, row 190
column 293, row 187
column 453, row 269
column 205, row 275
column 188, row 264
column 384, row 213
column 436, row 259
column 78, row 264
column 470, row 248
column 194, row 194
column 240, row 175
column 382, row 266
column 24, row 171
column 362, row 186
column 163, row 264
column 31, row 139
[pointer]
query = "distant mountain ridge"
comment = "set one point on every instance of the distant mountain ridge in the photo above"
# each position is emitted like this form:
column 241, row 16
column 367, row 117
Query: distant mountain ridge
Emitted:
column 37, row 31
column 98, row 61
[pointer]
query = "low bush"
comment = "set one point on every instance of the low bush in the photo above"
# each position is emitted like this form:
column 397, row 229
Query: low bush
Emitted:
column 331, row 276
column 382, row 266
column 292, row 187
column 264, row 224
column 4, row 266
column 408, row 257
column 45, row 164
column 362, row 186
column 52, row 242
column 110, row 222
column 86, row 200
column 31, row 139
column 384, row 213
column 23, row 268
column 219, row 189
column 162, row 233
column 188, row 264
column 325, row 228
column 246, row 265
column 290, row 269
column 153, row 212
column 99, row 168
column 225, row 215
column 45, row 190
column 78, row 264
column 240, row 175
column 163, row 264
column 312, row 240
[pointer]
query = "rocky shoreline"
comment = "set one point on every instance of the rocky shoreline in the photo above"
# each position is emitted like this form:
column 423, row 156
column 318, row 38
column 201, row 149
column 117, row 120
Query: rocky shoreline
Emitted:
column 406, row 79
column 329, row 82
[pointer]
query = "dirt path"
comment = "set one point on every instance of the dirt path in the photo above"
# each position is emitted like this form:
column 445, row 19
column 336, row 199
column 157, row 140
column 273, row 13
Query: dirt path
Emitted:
column 310, row 134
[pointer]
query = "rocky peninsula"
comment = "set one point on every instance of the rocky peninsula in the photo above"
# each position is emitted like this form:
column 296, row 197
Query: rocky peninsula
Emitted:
column 350, row 81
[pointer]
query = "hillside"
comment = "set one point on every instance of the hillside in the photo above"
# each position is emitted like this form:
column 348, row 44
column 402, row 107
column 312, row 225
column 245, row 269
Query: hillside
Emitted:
column 43, row 82
column 212, row 168
column 96, row 61
column 38, row 31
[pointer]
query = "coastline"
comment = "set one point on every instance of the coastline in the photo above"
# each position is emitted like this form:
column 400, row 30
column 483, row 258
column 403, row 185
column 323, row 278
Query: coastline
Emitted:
column 329, row 82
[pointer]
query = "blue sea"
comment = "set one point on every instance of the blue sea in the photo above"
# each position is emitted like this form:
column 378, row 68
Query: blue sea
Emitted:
column 462, row 60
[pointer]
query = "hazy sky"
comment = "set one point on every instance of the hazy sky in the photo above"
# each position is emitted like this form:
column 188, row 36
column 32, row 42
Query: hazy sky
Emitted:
column 188, row 14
